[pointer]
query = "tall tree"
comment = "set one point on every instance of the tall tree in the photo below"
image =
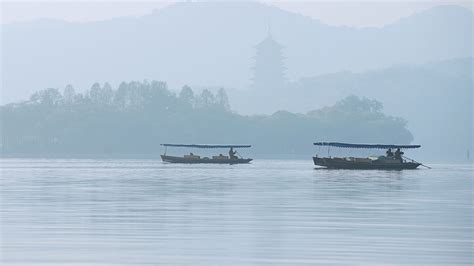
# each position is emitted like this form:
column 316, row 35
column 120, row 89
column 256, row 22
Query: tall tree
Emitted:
column 206, row 99
column 68, row 94
column 107, row 94
column 95, row 93
column 186, row 95
column 222, row 99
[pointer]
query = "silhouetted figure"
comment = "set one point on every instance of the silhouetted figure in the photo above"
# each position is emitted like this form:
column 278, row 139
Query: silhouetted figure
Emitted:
column 389, row 153
column 398, row 155
column 232, row 153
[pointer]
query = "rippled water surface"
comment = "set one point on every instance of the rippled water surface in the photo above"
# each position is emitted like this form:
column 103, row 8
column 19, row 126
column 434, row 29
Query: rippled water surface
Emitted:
column 134, row 212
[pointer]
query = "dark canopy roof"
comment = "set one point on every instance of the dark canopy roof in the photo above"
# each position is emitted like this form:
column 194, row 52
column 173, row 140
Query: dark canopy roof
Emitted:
column 365, row 146
column 206, row 146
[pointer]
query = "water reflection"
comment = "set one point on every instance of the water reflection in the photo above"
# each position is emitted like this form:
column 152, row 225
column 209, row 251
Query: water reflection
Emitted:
column 144, row 212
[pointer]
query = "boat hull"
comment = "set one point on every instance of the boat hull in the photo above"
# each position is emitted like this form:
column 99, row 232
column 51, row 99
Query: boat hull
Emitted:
column 175, row 159
column 342, row 163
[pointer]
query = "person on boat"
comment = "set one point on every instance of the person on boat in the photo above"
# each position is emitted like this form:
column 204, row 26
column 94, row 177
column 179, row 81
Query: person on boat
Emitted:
column 398, row 155
column 232, row 153
column 389, row 153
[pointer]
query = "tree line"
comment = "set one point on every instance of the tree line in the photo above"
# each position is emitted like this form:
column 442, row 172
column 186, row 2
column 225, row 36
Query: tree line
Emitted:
column 131, row 95
column 136, row 117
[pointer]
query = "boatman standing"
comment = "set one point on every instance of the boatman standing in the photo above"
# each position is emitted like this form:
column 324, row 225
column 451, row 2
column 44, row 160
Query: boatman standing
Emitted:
column 232, row 153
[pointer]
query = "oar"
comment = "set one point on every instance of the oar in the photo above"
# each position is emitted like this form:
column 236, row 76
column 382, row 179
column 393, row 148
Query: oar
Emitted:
column 416, row 162
column 239, row 154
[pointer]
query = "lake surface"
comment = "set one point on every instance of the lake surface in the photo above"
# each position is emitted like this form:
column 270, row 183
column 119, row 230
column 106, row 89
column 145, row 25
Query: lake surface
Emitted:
column 144, row 212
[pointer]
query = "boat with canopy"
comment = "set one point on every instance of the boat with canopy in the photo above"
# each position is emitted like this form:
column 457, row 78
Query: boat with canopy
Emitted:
column 233, row 156
column 393, row 160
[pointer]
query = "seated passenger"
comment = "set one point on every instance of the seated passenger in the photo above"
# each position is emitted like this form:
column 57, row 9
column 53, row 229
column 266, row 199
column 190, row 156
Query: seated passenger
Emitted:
column 398, row 155
column 389, row 153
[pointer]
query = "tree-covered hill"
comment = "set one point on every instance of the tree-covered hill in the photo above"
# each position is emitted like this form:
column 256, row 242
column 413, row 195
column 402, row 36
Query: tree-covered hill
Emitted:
column 436, row 99
column 137, row 116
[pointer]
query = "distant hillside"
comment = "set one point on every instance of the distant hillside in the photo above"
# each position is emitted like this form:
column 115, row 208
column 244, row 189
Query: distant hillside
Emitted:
column 212, row 44
column 435, row 98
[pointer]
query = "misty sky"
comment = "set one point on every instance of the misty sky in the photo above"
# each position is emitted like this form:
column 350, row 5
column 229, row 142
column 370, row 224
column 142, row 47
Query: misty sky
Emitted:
column 349, row 13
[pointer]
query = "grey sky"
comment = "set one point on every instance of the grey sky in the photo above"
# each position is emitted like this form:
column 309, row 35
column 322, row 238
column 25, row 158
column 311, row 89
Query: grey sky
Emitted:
column 349, row 13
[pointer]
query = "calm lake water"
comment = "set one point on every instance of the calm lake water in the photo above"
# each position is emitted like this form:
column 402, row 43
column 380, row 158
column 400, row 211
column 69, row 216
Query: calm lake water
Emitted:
column 144, row 212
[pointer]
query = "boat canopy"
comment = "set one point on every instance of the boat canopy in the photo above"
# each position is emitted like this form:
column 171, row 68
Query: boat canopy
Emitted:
column 365, row 146
column 206, row 146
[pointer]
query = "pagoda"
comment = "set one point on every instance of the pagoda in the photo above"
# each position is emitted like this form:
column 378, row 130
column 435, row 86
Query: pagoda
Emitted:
column 269, row 69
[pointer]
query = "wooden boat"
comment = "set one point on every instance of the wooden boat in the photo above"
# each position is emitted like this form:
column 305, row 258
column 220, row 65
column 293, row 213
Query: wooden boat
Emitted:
column 176, row 159
column 196, row 159
column 357, row 163
column 398, row 162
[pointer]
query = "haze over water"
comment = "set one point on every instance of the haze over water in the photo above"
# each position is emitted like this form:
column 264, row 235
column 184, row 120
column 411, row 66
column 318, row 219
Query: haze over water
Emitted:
column 137, row 212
